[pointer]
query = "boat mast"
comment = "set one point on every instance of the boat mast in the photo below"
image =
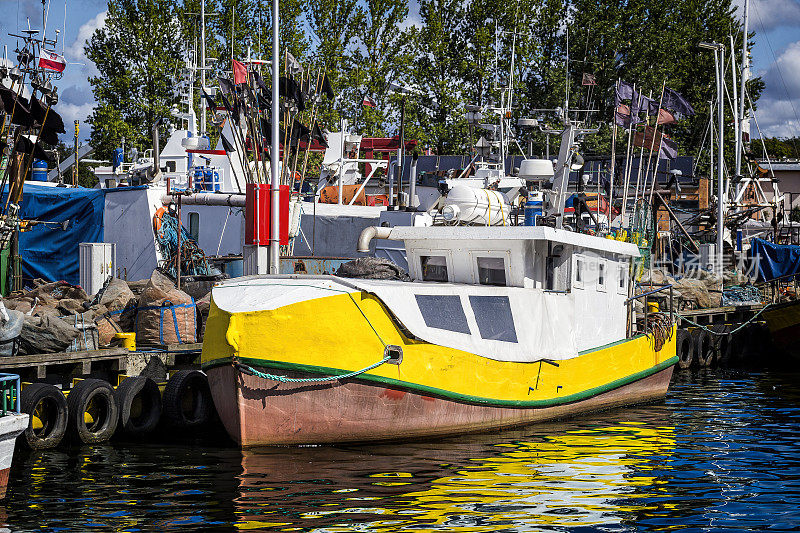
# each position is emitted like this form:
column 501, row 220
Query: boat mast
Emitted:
column 718, row 59
column 745, row 74
column 203, row 65
column 274, row 219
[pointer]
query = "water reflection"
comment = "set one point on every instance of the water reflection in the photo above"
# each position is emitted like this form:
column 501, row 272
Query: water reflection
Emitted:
column 720, row 453
column 584, row 473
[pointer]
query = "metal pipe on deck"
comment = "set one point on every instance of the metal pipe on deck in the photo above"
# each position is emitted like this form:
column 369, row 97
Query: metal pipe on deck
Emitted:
column 372, row 232
column 229, row 200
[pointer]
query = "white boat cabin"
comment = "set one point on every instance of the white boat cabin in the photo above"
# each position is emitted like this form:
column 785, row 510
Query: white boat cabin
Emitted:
column 568, row 283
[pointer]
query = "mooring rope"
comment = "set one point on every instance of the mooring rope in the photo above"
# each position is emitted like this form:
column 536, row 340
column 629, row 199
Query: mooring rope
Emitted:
column 285, row 379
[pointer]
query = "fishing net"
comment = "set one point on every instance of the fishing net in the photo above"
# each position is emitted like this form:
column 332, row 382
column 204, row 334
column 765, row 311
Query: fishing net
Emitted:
column 641, row 234
column 193, row 259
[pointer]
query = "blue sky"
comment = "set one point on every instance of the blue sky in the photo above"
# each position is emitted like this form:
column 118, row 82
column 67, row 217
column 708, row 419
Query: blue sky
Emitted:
column 776, row 55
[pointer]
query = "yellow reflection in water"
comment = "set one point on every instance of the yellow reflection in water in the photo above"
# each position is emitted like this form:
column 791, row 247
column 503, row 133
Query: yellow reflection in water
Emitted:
column 576, row 477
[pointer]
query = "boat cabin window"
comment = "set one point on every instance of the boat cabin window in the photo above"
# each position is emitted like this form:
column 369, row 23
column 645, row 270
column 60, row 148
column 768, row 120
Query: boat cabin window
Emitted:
column 623, row 279
column 494, row 318
column 601, row 275
column 580, row 273
column 433, row 267
column 491, row 271
column 443, row 312
column 194, row 226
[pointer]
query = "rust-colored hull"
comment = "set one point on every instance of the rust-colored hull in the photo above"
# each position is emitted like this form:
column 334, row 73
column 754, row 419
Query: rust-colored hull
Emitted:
column 259, row 412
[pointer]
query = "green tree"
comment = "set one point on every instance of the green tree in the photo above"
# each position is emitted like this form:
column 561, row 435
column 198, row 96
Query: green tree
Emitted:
column 437, row 116
column 334, row 26
column 380, row 59
column 137, row 54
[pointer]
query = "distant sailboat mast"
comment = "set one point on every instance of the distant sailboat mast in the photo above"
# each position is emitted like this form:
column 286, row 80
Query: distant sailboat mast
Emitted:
column 744, row 123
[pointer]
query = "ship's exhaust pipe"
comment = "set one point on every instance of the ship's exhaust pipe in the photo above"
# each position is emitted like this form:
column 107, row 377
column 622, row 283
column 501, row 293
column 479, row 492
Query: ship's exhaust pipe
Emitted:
column 372, row 232
column 156, row 170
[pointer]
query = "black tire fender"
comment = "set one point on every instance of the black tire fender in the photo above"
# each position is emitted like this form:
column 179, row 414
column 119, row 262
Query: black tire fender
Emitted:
column 139, row 405
column 187, row 399
column 95, row 397
column 703, row 347
column 685, row 347
column 49, row 405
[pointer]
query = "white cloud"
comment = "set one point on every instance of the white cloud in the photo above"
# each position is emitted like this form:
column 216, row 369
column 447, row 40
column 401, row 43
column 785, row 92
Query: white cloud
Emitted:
column 776, row 118
column 70, row 113
column 779, row 106
column 75, row 52
column 772, row 13
column 784, row 73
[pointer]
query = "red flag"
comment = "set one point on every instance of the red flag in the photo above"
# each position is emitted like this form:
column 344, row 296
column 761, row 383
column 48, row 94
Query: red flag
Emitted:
column 239, row 72
column 368, row 102
column 665, row 117
column 52, row 61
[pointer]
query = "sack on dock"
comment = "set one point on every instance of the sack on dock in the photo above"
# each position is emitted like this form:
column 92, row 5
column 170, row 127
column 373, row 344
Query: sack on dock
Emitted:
column 165, row 315
column 9, row 332
column 57, row 290
column 115, row 295
column 694, row 290
column 372, row 268
column 45, row 334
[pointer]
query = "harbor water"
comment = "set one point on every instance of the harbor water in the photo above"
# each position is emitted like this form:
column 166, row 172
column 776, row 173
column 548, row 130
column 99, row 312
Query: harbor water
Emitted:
column 721, row 453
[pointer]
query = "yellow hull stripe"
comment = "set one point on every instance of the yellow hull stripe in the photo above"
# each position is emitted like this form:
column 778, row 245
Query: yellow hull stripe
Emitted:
column 342, row 333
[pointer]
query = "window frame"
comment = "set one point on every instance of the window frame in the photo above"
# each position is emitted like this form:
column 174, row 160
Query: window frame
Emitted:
column 505, row 255
column 602, row 273
column 195, row 236
column 448, row 258
column 578, row 270
column 622, row 272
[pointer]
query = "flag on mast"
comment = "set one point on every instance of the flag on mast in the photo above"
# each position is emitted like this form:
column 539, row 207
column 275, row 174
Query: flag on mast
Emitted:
column 52, row 61
column 588, row 79
column 239, row 72
column 368, row 102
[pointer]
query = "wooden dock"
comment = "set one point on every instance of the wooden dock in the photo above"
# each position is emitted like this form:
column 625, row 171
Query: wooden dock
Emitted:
column 66, row 365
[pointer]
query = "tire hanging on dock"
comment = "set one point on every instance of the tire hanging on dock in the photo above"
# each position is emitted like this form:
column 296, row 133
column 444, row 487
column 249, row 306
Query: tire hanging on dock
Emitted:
column 93, row 413
column 187, row 399
column 47, row 408
column 685, row 348
column 139, row 405
column 703, row 347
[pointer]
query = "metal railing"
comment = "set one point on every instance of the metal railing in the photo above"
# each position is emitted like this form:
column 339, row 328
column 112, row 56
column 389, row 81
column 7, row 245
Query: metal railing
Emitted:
column 645, row 295
column 9, row 389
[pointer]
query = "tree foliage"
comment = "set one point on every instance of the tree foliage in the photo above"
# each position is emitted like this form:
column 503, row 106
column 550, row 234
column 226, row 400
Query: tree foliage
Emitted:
column 137, row 54
column 455, row 52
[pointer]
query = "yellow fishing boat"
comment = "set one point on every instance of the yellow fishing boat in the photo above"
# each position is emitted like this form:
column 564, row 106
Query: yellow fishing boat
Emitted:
column 501, row 326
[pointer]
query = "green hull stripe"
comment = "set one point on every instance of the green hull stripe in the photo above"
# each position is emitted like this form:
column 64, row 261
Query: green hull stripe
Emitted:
column 433, row 391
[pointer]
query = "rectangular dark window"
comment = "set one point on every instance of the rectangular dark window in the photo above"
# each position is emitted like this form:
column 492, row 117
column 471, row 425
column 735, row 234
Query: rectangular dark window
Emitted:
column 492, row 271
column 194, row 226
column 443, row 312
column 434, row 267
column 494, row 318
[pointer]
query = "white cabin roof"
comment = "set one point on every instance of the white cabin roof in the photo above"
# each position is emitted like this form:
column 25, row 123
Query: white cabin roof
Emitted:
column 513, row 233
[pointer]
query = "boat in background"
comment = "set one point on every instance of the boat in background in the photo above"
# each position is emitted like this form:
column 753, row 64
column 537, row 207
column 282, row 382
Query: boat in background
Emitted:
column 12, row 424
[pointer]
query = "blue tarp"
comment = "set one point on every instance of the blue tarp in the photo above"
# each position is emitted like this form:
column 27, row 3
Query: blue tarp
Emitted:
column 48, row 251
column 775, row 260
